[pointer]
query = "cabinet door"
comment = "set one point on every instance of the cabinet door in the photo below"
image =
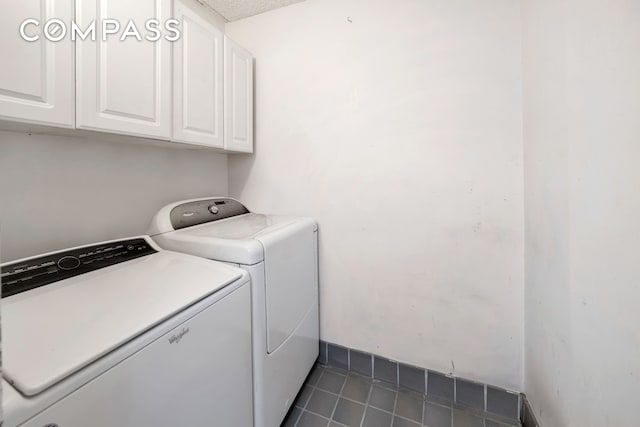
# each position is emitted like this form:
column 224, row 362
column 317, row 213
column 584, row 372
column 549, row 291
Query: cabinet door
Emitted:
column 36, row 77
column 197, row 80
column 238, row 98
column 124, row 86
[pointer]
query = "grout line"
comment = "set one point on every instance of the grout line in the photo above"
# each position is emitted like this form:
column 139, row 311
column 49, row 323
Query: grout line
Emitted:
column 366, row 405
column 455, row 390
column 372, row 359
column 406, row 419
column 485, row 398
column 426, row 382
column 295, row 422
column 338, row 400
column 313, row 389
column 454, row 385
column 310, row 396
column 373, row 367
column 316, row 414
column 395, row 403
column 348, row 398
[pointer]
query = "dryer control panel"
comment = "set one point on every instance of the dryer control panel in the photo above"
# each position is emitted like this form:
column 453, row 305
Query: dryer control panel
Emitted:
column 203, row 211
column 40, row 271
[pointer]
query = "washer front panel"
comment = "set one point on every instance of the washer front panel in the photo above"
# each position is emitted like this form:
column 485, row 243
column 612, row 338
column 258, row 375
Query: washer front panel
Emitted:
column 73, row 322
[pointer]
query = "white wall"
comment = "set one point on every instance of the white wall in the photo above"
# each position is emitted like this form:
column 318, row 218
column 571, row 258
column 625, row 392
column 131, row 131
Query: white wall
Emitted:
column 582, row 151
column 400, row 132
column 57, row 192
column 61, row 191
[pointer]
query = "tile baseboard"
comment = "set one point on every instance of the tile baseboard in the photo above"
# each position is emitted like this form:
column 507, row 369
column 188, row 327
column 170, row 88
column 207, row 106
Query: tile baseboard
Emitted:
column 528, row 417
column 449, row 389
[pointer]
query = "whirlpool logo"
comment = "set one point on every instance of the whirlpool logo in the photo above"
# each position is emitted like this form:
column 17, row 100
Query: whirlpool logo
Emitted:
column 55, row 30
column 177, row 337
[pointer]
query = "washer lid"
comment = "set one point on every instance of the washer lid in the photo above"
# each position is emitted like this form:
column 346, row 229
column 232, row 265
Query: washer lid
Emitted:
column 235, row 239
column 50, row 332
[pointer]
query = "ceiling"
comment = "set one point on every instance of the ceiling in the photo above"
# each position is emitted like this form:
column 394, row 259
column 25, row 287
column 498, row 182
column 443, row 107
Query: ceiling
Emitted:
column 233, row 10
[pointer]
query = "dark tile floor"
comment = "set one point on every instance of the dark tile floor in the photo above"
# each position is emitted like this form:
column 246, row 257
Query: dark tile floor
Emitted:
column 332, row 397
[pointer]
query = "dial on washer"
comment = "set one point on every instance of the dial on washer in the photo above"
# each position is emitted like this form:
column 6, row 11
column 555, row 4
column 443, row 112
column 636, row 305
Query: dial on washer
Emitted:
column 68, row 263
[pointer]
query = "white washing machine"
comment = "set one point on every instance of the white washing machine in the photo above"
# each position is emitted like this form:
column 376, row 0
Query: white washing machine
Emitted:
column 280, row 254
column 123, row 333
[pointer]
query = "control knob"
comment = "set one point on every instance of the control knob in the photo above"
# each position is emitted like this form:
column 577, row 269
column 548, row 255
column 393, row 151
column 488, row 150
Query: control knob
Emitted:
column 68, row 263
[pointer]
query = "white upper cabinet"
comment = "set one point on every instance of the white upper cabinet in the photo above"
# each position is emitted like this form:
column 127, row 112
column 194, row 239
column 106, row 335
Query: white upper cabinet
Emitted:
column 124, row 86
column 238, row 98
column 197, row 80
column 36, row 77
column 158, row 69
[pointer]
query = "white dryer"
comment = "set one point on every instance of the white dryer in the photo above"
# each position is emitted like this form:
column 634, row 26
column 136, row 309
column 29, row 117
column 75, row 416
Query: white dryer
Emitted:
column 123, row 333
column 280, row 254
